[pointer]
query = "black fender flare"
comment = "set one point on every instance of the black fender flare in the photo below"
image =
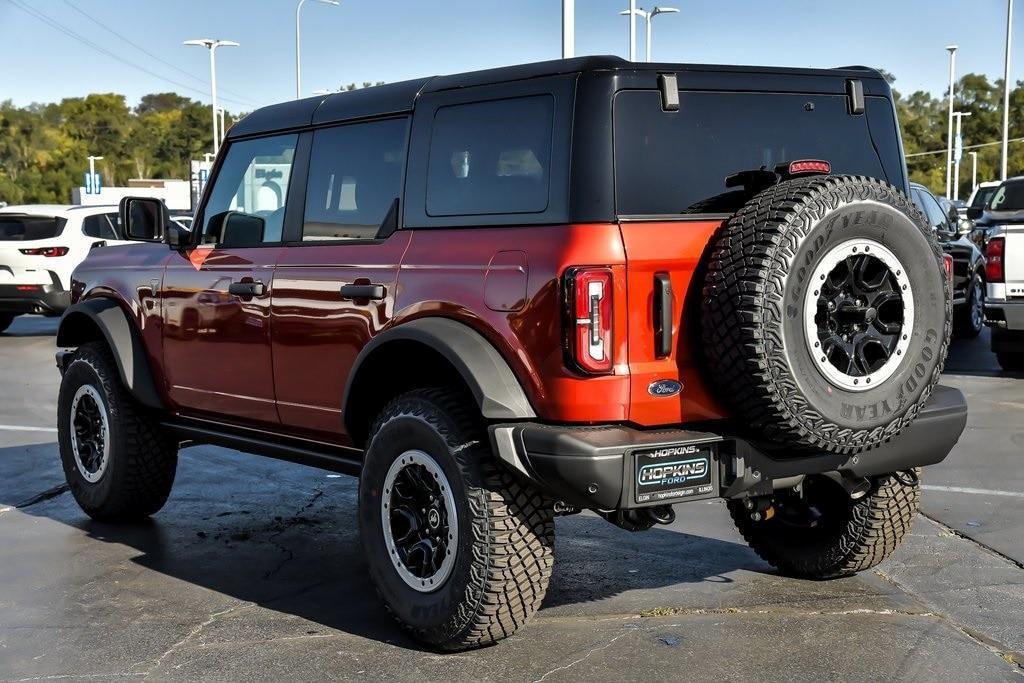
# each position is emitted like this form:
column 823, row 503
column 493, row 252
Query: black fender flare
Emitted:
column 122, row 337
column 497, row 391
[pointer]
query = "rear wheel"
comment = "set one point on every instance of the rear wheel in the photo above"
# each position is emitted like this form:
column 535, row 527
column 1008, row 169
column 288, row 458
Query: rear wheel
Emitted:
column 820, row 533
column 1011, row 362
column 460, row 550
column 970, row 317
column 118, row 462
column 5, row 320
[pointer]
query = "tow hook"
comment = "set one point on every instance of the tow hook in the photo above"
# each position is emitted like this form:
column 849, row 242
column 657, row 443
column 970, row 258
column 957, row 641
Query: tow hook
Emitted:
column 663, row 514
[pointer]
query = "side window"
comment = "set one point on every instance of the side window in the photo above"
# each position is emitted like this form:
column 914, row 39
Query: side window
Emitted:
column 355, row 175
column 936, row 218
column 490, row 157
column 247, row 201
column 100, row 226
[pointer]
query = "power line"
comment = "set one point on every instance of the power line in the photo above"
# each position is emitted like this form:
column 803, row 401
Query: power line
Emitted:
column 943, row 150
column 102, row 50
column 144, row 51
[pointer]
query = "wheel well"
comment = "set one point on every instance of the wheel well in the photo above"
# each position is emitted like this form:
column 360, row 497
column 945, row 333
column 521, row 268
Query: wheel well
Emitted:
column 77, row 329
column 392, row 369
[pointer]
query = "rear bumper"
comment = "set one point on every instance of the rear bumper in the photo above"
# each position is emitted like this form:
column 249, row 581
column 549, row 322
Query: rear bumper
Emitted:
column 41, row 299
column 1005, row 314
column 593, row 467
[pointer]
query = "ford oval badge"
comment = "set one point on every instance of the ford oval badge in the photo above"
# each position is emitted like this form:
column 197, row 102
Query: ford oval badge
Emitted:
column 664, row 387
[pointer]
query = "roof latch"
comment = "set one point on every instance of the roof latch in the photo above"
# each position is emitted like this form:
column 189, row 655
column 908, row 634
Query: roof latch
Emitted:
column 669, row 92
column 855, row 96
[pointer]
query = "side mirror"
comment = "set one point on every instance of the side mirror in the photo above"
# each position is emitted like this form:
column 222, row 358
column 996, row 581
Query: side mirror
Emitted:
column 176, row 236
column 143, row 219
column 974, row 212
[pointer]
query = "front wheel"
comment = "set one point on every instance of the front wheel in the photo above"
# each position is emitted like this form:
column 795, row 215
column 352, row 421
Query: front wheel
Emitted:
column 460, row 550
column 970, row 317
column 118, row 462
column 820, row 533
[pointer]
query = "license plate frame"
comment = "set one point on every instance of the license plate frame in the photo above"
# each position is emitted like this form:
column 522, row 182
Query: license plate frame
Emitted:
column 674, row 473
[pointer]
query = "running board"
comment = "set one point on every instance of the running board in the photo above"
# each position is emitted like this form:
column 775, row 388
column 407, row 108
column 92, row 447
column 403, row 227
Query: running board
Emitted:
column 317, row 454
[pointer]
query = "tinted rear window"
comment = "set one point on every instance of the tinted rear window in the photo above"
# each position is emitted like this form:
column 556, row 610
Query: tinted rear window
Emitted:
column 982, row 197
column 1008, row 197
column 677, row 162
column 14, row 228
column 490, row 157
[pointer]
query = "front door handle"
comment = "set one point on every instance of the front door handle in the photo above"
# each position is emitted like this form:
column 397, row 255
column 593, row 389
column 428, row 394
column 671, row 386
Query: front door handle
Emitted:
column 365, row 292
column 247, row 289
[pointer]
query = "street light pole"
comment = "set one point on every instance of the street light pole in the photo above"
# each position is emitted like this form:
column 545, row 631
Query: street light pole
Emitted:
column 974, row 171
column 959, row 149
column 212, row 45
column 1006, row 87
column 298, row 44
column 568, row 29
column 632, row 30
column 949, row 130
column 648, row 18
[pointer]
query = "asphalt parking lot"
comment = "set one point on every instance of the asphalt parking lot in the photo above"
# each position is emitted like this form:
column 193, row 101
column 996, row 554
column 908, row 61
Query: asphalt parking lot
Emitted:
column 253, row 570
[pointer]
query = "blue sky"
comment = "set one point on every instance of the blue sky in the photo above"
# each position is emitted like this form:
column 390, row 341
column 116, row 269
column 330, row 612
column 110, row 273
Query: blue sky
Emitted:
column 391, row 40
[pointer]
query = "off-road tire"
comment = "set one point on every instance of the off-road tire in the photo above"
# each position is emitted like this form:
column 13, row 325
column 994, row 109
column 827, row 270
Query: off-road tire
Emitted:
column 753, row 308
column 142, row 459
column 1011, row 362
column 964, row 324
column 869, row 530
column 5, row 321
column 505, row 546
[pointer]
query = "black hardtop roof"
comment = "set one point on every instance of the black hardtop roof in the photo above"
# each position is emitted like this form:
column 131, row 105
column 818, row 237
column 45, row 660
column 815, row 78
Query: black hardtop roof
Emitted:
column 396, row 98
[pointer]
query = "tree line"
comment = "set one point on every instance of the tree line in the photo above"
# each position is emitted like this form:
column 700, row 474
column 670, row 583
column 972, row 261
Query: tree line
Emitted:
column 43, row 147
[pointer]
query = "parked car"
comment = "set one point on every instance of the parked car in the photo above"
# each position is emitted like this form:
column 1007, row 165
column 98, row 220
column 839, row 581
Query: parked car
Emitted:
column 39, row 247
column 1004, row 249
column 504, row 295
column 980, row 198
column 968, row 260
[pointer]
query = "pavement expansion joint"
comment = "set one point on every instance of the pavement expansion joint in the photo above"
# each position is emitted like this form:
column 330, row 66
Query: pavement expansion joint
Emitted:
column 959, row 534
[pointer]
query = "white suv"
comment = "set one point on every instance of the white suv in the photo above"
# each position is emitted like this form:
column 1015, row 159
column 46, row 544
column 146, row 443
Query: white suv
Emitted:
column 39, row 247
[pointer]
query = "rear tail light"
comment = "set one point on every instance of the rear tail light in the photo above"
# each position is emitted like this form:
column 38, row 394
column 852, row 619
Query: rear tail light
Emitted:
column 589, row 308
column 45, row 251
column 994, row 259
column 947, row 263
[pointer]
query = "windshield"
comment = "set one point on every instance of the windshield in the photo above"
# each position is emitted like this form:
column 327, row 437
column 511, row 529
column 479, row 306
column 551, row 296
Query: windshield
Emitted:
column 981, row 197
column 22, row 228
column 1009, row 197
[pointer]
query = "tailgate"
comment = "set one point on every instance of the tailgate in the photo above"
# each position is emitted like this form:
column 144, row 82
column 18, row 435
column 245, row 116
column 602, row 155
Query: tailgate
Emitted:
column 1013, row 256
column 656, row 250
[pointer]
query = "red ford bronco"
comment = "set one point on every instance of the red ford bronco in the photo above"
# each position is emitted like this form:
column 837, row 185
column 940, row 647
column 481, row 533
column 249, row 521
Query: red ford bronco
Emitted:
column 502, row 296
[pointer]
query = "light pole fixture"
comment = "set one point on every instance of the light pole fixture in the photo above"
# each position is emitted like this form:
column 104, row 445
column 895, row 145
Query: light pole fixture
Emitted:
column 212, row 44
column 298, row 44
column 959, row 115
column 1006, row 87
column 648, row 17
column 949, row 129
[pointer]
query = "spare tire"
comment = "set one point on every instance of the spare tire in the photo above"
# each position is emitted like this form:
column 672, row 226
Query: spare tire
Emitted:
column 826, row 313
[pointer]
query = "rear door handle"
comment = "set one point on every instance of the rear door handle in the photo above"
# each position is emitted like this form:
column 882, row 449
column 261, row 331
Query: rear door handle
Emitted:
column 247, row 289
column 662, row 315
column 372, row 292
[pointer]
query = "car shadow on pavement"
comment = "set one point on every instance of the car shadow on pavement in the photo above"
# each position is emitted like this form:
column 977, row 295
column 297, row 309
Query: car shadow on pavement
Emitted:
column 285, row 538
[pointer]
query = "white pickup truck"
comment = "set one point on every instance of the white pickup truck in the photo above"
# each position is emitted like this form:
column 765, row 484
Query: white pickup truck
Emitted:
column 1004, row 273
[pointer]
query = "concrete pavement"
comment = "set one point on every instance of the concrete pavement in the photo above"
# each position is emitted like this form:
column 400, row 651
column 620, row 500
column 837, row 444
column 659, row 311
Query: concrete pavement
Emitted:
column 253, row 570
